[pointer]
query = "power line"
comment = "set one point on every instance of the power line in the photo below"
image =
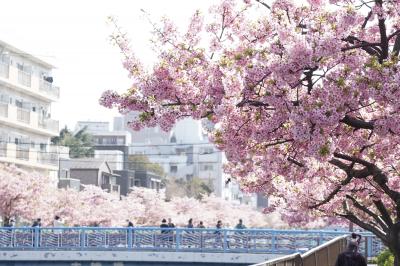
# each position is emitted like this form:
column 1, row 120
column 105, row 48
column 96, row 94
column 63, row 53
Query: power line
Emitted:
column 131, row 145
column 113, row 154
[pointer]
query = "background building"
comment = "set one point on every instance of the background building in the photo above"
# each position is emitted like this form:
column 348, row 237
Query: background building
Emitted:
column 26, row 126
column 185, row 152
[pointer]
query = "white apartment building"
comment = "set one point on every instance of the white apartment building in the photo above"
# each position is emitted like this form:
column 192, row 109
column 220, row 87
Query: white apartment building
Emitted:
column 184, row 152
column 26, row 126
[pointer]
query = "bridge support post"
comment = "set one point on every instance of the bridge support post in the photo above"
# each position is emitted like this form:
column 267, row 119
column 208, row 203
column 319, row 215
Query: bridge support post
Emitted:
column 225, row 243
column 130, row 233
column 36, row 237
column 178, row 239
column 82, row 238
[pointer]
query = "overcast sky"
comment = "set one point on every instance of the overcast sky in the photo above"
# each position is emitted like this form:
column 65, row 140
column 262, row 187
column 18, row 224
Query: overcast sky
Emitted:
column 73, row 35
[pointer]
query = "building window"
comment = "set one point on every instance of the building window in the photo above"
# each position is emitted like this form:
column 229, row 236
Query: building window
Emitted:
column 173, row 168
column 206, row 167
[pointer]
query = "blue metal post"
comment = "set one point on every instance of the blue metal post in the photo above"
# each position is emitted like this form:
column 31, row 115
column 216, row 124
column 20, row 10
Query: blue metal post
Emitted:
column 83, row 236
column 273, row 242
column 37, row 235
column 130, row 240
column 225, row 243
column 369, row 240
column 178, row 239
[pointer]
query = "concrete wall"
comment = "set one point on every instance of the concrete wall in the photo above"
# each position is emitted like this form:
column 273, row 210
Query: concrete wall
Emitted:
column 86, row 176
column 127, row 258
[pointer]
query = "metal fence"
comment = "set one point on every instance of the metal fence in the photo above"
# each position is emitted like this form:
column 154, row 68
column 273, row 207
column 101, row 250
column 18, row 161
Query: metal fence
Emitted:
column 174, row 239
column 323, row 255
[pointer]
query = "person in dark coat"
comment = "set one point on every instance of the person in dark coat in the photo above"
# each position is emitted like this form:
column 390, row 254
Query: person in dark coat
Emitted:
column 164, row 233
column 351, row 257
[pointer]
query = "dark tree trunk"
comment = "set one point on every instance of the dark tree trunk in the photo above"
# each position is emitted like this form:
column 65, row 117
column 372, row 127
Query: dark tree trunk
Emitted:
column 394, row 242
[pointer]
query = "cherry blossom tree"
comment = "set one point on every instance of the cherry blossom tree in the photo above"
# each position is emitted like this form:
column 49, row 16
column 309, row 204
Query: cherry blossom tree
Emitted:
column 304, row 95
column 22, row 194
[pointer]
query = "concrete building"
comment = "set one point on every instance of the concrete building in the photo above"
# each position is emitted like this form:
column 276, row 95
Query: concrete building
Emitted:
column 90, row 171
column 113, row 146
column 26, row 126
column 184, row 152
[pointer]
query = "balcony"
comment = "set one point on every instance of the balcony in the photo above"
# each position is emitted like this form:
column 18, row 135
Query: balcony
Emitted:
column 23, row 115
column 27, row 120
column 24, row 78
column 4, row 70
column 22, row 153
column 27, row 83
column 49, row 124
column 26, row 156
column 47, row 158
column 48, row 88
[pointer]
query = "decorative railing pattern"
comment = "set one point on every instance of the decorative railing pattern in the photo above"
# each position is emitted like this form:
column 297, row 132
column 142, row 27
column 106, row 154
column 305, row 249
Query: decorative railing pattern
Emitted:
column 174, row 239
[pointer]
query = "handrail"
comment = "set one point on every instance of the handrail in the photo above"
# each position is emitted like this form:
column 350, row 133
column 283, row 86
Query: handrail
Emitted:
column 295, row 256
column 298, row 259
column 267, row 241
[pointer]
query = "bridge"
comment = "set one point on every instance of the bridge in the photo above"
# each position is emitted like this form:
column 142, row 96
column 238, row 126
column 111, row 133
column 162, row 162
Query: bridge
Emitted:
column 145, row 246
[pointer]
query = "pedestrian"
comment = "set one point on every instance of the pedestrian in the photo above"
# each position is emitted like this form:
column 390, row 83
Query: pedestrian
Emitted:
column 170, row 223
column 129, row 223
column 190, row 223
column 171, row 232
column 240, row 225
column 37, row 223
column 218, row 234
column 201, row 225
column 351, row 257
column 240, row 237
column 190, row 233
column 57, row 222
column 164, row 233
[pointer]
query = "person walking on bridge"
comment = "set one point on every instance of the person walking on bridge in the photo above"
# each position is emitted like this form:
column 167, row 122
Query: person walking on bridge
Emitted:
column 351, row 257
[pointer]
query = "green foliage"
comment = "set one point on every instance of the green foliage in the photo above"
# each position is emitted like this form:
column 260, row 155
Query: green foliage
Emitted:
column 193, row 188
column 142, row 162
column 385, row 258
column 80, row 144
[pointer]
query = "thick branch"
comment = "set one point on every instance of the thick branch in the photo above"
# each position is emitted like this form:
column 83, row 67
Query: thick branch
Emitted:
column 384, row 38
column 361, row 207
column 379, row 233
column 357, row 123
column 384, row 212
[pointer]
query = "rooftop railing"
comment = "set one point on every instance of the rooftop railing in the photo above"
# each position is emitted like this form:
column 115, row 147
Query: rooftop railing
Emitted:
column 175, row 239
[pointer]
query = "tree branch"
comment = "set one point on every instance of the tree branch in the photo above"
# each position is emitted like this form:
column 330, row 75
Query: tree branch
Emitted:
column 361, row 207
column 357, row 123
column 384, row 212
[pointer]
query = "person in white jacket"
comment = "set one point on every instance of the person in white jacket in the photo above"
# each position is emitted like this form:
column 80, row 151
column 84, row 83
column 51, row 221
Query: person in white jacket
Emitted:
column 58, row 223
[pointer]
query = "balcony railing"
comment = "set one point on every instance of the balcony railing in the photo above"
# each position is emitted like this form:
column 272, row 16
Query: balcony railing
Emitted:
column 22, row 153
column 23, row 115
column 3, row 109
column 45, row 157
column 4, row 70
column 24, row 78
column 49, row 88
column 49, row 124
column 3, row 149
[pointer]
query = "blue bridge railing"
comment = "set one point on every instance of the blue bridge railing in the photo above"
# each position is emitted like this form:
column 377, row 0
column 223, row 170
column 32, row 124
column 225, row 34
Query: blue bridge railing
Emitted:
column 173, row 239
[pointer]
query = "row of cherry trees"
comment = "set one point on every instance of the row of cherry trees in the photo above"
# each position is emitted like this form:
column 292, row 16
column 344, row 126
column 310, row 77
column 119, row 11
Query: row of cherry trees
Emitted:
column 28, row 196
column 305, row 96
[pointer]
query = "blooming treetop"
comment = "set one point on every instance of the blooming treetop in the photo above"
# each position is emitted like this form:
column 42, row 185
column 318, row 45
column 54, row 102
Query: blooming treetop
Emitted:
column 30, row 196
column 305, row 98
